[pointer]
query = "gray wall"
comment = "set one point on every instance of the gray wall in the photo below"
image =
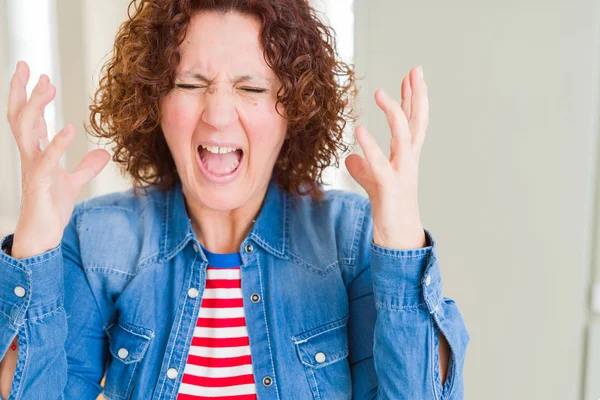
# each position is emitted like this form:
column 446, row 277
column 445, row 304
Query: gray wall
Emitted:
column 507, row 174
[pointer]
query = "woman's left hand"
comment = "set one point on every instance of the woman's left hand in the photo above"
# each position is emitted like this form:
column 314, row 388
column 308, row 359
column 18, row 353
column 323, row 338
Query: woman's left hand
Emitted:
column 392, row 185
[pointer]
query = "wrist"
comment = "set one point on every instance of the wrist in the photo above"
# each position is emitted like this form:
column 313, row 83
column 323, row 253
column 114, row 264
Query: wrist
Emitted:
column 25, row 246
column 410, row 237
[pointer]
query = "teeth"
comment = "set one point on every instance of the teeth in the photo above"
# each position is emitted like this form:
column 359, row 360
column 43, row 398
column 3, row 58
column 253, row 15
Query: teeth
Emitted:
column 219, row 150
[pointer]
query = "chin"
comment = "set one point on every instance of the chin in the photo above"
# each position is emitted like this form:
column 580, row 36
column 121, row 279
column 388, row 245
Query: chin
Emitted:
column 219, row 197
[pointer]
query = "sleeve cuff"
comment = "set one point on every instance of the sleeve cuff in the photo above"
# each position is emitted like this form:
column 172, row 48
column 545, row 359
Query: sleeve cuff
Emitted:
column 31, row 287
column 407, row 278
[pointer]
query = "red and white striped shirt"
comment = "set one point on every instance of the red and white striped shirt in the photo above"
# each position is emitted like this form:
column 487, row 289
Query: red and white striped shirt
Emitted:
column 219, row 364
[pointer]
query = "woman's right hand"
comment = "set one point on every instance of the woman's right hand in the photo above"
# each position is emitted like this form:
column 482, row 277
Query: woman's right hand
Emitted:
column 48, row 191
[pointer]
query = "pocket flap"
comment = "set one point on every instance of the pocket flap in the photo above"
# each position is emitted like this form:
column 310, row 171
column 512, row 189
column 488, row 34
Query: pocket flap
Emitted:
column 128, row 343
column 323, row 345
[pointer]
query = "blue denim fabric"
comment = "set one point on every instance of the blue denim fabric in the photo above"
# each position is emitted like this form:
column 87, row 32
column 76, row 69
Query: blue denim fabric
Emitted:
column 312, row 281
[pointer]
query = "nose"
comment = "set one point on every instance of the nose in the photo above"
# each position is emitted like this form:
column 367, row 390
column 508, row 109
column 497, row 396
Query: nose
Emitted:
column 219, row 109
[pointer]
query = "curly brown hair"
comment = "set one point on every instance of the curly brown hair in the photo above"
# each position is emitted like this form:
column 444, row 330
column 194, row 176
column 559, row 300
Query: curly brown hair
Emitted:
column 317, row 89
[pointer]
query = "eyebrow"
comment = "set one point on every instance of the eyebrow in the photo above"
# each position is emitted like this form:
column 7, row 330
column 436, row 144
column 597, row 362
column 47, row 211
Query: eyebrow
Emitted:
column 240, row 78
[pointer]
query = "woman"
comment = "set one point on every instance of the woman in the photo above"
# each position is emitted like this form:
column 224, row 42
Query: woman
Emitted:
column 232, row 275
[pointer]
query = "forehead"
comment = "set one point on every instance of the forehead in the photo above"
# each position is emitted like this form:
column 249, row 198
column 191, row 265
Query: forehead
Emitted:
column 218, row 43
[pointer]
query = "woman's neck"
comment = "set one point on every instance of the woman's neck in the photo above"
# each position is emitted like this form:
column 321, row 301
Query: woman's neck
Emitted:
column 223, row 231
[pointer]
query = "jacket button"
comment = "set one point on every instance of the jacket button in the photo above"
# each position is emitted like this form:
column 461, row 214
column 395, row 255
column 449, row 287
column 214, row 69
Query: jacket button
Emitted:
column 249, row 248
column 428, row 280
column 19, row 291
column 122, row 353
column 192, row 293
column 172, row 373
column 320, row 357
column 255, row 297
column 267, row 381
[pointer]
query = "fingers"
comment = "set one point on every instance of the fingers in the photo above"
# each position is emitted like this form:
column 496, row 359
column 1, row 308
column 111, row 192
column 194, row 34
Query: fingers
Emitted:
column 17, row 95
column 377, row 161
column 89, row 167
column 401, row 138
column 43, row 134
column 419, row 118
column 56, row 148
column 406, row 92
column 359, row 169
column 28, row 124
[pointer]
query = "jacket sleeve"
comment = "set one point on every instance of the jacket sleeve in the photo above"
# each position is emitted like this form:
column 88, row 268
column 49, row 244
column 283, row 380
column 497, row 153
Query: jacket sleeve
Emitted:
column 62, row 345
column 396, row 312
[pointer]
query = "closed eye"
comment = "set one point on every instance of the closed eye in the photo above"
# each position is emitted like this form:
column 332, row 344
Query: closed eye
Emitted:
column 254, row 90
column 186, row 86
column 247, row 89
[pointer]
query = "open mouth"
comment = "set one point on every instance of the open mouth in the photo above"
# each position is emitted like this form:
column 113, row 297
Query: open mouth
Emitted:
column 220, row 161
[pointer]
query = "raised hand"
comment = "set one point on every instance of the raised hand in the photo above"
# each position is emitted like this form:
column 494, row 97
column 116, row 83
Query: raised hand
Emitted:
column 49, row 192
column 392, row 184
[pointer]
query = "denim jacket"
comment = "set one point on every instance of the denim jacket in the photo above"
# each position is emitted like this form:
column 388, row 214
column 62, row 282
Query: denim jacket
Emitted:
column 313, row 281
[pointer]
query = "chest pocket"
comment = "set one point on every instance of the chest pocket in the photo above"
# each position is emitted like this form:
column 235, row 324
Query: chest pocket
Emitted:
column 323, row 351
column 127, row 345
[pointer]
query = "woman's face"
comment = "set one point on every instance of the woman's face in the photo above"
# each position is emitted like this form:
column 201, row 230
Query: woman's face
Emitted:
column 220, row 121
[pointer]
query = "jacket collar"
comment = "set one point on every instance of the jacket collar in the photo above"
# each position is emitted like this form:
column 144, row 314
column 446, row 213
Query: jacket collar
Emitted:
column 270, row 229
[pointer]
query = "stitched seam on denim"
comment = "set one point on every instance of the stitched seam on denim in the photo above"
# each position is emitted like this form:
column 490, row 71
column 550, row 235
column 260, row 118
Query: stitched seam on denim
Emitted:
column 110, row 208
column 451, row 373
column 112, row 394
column 190, row 334
column 402, row 308
column 390, row 253
column 358, row 226
column 434, row 349
column 23, row 308
column 46, row 315
column 266, row 324
column 180, row 246
column 321, row 271
column 316, row 385
column 285, row 234
column 126, row 329
column 259, row 240
column 9, row 319
column 25, row 364
column 13, row 321
column 152, row 258
column 107, row 270
column 348, row 260
column 176, row 335
column 338, row 323
column 13, row 262
column 51, row 257
column 129, row 387
column 185, row 300
column 164, row 226
column 98, row 308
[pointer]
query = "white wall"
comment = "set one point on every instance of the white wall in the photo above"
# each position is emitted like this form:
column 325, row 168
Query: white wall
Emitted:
column 86, row 31
column 507, row 175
